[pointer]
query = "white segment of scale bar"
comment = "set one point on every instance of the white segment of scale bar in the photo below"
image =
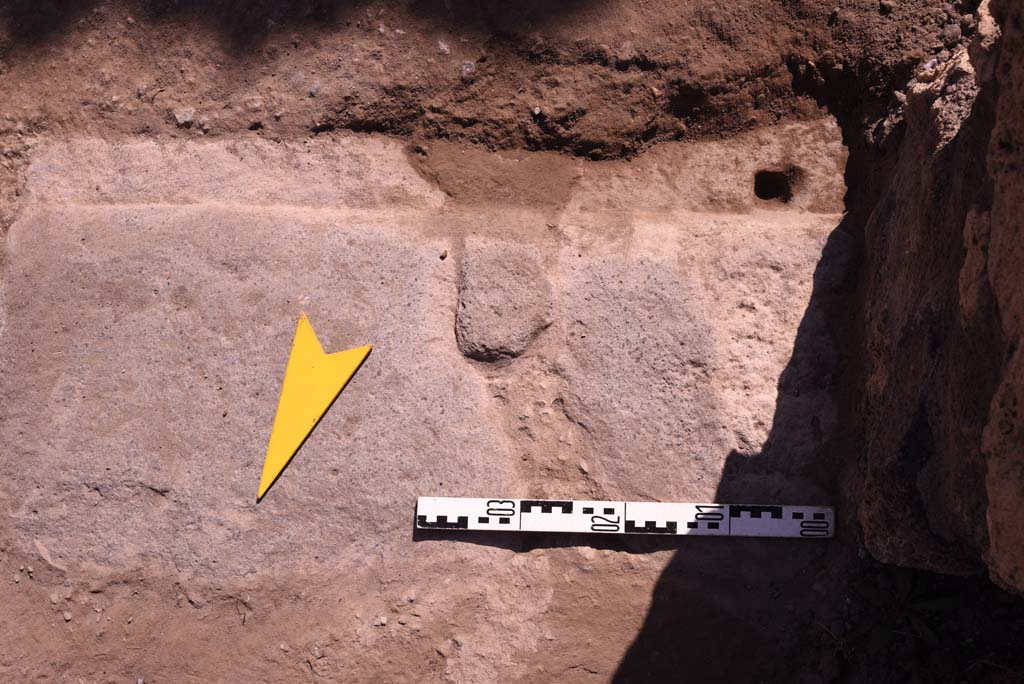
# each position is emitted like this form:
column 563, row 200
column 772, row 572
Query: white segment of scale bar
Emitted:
column 624, row 517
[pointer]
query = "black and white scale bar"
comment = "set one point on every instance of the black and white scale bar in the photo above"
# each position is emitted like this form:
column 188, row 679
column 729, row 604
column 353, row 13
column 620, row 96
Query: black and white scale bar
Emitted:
column 624, row 517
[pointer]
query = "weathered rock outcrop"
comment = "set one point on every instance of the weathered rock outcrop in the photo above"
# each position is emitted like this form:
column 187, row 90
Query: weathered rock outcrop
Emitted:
column 943, row 442
column 1003, row 438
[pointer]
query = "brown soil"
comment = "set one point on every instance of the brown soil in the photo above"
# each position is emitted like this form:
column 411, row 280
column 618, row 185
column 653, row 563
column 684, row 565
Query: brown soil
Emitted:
column 597, row 79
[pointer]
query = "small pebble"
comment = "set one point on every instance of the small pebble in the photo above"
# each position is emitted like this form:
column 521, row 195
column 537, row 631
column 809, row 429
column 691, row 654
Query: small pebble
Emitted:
column 54, row 598
column 443, row 48
column 951, row 35
column 184, row 117
column 380, row 621
column 67, row 616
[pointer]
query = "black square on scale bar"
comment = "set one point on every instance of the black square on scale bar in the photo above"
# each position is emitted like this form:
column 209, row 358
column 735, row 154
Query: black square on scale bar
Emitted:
column 588, row 510
column 483, row 519
column 504, row 521
column 609, row 511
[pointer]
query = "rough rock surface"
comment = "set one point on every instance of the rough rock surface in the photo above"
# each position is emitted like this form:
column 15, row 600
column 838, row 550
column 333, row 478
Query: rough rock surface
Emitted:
column 1003, row 438
column 504, row 299
column 943, row 454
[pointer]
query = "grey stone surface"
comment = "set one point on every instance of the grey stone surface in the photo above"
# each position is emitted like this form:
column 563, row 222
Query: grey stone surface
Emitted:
column 170, row 356
column 675, row 347
column 504, row 299
column 149, row 304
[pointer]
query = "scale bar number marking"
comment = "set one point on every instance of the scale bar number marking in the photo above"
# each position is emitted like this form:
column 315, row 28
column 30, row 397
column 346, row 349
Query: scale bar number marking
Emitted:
column 624, row 517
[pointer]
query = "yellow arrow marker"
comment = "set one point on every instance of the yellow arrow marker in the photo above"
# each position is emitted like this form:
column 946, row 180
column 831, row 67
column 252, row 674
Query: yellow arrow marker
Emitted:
column 312, row 381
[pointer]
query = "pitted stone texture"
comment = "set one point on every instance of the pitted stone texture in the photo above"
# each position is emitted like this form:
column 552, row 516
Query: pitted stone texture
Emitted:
column 154, row 385
column 149, row 359
column 677, row 333
column 638, row 354
column 504, row 299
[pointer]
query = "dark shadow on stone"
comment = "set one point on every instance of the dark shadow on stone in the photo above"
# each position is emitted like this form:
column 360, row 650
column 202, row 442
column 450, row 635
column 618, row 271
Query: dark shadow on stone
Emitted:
column 37, row 20
column 727, row 612
column 778, row 591
column 528, row 541
column 246, row 25
column 721, row 612
column 500, row 540
column 497, row 16
column 828, row 612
